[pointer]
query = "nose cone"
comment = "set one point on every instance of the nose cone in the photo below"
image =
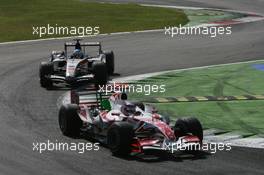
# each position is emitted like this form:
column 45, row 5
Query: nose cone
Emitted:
column 166, row 130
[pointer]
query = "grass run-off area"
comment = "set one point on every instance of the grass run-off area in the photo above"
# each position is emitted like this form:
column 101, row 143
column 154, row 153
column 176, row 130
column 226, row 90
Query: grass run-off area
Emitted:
column 238, row 79
column 17, row 17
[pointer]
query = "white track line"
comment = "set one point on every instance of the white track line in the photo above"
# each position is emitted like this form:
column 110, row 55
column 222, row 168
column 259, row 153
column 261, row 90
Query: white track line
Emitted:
column 234, row 139
column 201, row 8
column 147, row 75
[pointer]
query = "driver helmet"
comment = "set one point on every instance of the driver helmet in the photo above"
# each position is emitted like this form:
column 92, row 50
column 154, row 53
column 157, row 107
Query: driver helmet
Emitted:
column 128, row 109
column 77, row 54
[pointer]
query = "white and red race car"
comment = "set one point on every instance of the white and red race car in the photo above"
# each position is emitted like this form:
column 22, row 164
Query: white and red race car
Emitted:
column 126, row 127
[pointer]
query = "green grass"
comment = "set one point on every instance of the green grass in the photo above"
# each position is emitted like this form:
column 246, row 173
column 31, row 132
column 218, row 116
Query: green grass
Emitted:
column 244, row 116
column 222, row 80
column 202, row 16
column 240, row 79
column 18, row 16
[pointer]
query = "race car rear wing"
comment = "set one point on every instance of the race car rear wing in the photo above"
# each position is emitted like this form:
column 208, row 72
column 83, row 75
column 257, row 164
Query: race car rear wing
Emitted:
column 94, row 97
column 90, row 97
column 71, row 44
column 79, row 45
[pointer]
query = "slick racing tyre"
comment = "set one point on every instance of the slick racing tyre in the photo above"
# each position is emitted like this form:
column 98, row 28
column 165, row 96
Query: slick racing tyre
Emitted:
column 191, row 125
column 100, row 73
column 69, row 120
column 45, row 70
column 110, row 62
column 119, row 138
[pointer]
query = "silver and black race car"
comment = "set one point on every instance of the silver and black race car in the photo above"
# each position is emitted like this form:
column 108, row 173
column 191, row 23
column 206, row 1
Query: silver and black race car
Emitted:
column 78, row 62
column 126, row 127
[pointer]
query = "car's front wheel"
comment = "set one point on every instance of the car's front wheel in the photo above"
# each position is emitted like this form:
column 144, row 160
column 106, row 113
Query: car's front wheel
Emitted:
column 186, row 125
column 119, row 138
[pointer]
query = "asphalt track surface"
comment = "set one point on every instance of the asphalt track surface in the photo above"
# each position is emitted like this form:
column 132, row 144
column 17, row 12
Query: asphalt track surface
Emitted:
column 29, row 113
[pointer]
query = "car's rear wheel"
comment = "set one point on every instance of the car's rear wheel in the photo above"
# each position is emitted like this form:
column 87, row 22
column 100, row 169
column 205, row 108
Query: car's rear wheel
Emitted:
column 110, row 62
column 100, row 73
column 69, row 120
column 119, row 138
column 187, row 125
column 45, row 70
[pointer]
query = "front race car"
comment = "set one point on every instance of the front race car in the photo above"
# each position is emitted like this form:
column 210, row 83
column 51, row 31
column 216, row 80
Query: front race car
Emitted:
column 126, row 127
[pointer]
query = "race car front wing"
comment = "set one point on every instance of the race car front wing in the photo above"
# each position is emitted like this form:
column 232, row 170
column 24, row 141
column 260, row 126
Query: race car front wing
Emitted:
column 70, row 80
column 184, row 143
